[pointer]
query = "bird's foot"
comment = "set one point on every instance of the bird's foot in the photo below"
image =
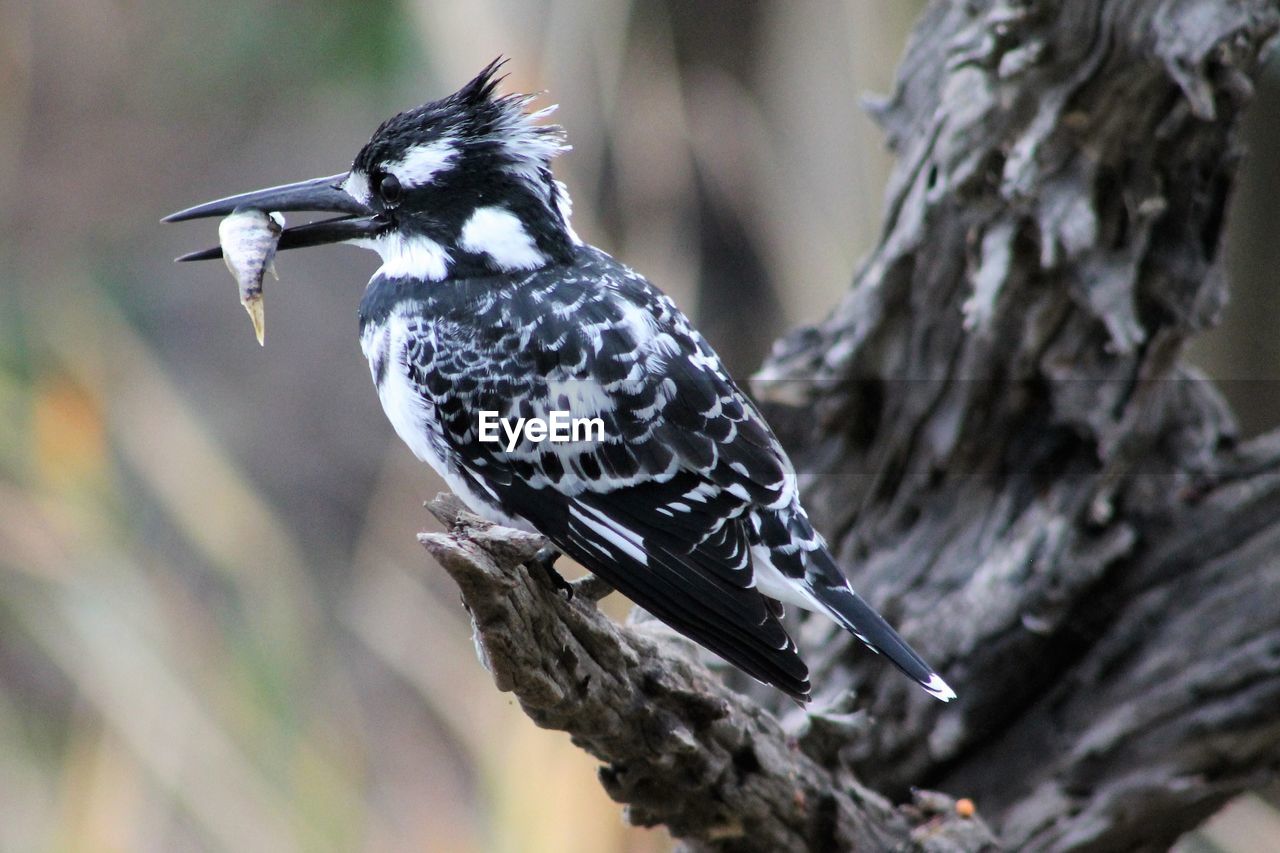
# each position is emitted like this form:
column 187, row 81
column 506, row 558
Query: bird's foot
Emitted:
column 545, row 560
column 591, row 588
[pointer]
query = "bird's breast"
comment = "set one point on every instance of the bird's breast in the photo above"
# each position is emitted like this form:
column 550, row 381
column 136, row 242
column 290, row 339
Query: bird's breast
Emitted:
column 411, row 412
column 398, row 352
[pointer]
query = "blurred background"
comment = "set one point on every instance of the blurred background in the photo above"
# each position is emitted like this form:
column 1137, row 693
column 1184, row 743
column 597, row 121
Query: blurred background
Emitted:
column 217, row 631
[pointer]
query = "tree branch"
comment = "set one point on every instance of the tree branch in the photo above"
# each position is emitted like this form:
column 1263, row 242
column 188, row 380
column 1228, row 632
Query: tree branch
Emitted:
column 996, row 433
column 679, row 748
column 1029, row 482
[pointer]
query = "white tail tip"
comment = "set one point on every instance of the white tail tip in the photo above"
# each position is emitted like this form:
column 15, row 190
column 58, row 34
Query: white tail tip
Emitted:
column 939, row 688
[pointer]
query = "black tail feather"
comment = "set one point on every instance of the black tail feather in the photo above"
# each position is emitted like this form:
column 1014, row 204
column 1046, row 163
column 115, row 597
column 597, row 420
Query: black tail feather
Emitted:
column 860, row 619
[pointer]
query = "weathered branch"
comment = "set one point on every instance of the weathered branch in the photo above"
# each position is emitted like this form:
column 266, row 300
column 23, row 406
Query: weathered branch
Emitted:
column 679, row 748
column 1029, row 482
column 1013, row 464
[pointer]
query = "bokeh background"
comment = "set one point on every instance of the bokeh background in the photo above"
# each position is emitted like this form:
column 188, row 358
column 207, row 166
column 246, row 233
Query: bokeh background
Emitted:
column 217, row 631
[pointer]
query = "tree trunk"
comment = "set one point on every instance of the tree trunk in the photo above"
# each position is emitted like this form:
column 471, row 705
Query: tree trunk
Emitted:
column 996, row 434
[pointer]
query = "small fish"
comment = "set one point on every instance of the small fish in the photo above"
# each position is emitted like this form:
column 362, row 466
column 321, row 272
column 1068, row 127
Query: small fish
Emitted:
column 249, row 239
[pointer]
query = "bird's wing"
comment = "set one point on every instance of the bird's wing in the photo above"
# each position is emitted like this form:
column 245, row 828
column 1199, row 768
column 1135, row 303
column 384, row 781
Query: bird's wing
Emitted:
column 690, row 569
column 659, row 507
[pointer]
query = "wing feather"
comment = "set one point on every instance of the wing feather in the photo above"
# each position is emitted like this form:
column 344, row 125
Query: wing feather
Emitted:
column 660, row 509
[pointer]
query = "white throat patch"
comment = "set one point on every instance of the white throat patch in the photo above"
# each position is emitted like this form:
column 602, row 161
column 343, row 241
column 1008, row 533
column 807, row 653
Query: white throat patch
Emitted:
column 498, row 233
column 415, row 257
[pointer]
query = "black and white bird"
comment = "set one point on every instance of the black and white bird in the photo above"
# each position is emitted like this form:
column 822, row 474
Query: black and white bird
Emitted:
column 487, row 300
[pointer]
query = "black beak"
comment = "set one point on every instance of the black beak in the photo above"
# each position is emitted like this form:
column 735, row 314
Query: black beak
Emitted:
column 324, row 194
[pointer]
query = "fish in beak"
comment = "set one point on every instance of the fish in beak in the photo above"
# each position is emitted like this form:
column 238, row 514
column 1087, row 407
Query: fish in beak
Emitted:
column 319, row 194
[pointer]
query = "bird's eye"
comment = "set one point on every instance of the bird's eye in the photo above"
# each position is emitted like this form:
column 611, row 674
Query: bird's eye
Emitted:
column 389, row 189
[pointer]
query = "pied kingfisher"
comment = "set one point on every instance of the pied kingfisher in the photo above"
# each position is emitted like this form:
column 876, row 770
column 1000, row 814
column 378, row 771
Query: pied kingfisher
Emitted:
column 487, row 301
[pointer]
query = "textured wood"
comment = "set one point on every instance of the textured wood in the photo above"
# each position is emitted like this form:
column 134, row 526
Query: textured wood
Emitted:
column 678, row 746
column 1016, row 466
column 995, row 431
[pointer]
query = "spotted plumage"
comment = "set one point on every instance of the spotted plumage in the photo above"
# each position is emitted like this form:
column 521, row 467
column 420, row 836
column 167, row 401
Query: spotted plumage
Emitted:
column 487, row 301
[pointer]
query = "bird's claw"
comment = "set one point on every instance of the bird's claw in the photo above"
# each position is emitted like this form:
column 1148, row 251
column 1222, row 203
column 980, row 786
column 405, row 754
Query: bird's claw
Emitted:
column 591, row 587
column 545, row 560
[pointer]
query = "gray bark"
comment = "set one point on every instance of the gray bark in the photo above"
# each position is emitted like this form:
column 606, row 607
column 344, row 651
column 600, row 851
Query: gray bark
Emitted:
column 997, row 435
column 679, row 747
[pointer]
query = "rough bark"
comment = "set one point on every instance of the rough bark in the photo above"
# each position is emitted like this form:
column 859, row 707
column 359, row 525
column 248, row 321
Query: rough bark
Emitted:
column 1012, row 463
column 679, row 747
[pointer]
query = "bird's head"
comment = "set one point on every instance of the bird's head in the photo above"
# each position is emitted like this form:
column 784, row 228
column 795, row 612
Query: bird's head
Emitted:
column 459, row 186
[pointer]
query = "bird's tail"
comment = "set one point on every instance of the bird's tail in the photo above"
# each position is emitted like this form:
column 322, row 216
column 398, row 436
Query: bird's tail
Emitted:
column 847, row 608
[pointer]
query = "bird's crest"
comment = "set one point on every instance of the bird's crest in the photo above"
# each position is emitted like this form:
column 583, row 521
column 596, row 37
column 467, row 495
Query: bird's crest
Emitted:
column 478, row 121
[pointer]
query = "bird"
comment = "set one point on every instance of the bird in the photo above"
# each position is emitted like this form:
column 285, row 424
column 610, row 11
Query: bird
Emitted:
column 487, row 300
